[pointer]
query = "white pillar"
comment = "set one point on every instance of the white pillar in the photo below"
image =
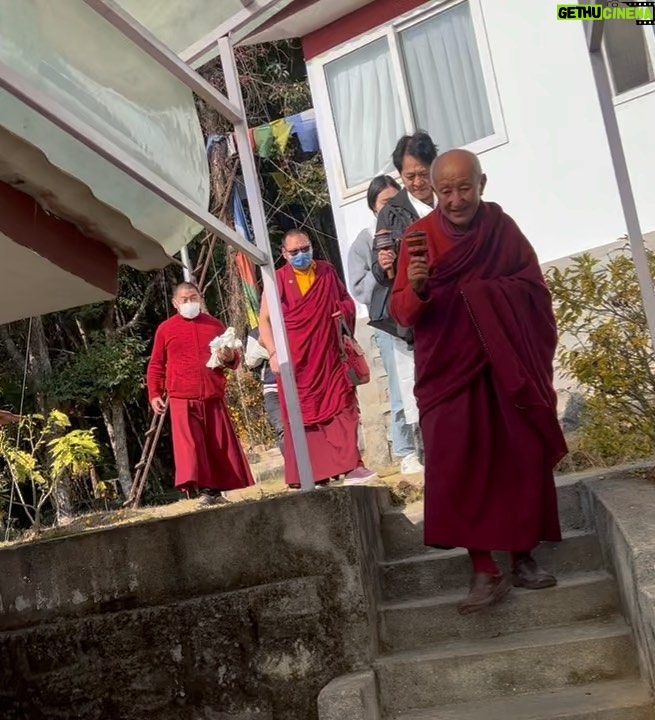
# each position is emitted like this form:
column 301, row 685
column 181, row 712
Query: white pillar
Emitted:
column 263, row 242
column 594, row 37
column 187, row 270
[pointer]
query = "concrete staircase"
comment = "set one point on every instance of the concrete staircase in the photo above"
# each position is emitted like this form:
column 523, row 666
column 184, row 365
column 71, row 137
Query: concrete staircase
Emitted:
column 562, row 653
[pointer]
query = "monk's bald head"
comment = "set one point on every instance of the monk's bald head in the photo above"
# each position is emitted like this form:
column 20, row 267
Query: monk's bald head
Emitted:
column 459, row 182
column 456, row 163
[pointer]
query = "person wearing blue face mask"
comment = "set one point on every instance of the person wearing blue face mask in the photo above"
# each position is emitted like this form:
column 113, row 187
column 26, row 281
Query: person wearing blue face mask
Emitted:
column 314, row 301
column 303, row 259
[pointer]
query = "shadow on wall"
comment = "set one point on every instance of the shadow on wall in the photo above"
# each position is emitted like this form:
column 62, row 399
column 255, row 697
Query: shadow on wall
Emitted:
column 238, row 612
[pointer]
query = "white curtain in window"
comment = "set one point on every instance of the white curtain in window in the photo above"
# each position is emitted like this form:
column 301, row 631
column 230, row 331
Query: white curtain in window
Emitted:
column 445, row 79
column 366, row 110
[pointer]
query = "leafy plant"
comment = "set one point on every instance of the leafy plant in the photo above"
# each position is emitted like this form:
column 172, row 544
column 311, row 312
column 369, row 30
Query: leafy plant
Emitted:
column 606, row 350
column 111, row 366
column 37, row 454
column 245, row 403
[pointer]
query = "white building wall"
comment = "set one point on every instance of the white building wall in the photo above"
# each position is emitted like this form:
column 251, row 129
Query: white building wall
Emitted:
column 554, row 175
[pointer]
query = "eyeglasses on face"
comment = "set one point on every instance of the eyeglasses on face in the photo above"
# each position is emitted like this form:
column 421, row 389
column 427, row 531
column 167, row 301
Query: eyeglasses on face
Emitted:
column 303, row 249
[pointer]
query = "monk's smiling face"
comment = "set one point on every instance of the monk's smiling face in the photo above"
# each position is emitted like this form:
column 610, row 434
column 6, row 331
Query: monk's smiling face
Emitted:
column 459, row 182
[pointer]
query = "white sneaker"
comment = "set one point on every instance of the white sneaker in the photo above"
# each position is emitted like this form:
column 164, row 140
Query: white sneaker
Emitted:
column 411, row 465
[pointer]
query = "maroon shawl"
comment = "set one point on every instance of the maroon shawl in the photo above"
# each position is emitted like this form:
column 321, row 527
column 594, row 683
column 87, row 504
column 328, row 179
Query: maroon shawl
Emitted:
column 489, row 304
column 323, row 386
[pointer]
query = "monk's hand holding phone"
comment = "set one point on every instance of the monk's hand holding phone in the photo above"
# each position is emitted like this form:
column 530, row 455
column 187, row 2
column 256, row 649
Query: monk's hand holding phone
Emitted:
column 417, row 270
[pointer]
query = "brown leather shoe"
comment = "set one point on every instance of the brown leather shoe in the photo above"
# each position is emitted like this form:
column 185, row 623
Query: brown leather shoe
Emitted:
column 527, row 574
column 486, row 590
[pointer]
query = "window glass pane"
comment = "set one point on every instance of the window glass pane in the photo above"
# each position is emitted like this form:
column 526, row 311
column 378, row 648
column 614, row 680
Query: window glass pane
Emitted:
column 445, row 78
column 627, row 55
column 366, row 110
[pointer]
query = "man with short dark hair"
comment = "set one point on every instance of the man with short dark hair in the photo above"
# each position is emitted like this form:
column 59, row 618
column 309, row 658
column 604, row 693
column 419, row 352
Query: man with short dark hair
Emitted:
column 314, row 302
column 208, row 455
column 412, row 158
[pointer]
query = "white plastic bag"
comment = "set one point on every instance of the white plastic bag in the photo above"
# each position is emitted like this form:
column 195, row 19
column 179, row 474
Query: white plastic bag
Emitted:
column 229, row 340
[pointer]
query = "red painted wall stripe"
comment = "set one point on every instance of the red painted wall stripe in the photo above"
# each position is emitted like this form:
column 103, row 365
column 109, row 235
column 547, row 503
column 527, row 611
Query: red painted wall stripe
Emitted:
column 24, row 221
column 366, row 18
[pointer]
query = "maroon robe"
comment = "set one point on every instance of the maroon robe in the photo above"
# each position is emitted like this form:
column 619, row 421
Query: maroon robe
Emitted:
column 327, row 399
column 485, row 339
column 207, row 451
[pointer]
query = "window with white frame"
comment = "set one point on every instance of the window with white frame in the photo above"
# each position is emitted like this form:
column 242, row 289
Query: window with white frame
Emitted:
column 425, row 73
column 630, row 53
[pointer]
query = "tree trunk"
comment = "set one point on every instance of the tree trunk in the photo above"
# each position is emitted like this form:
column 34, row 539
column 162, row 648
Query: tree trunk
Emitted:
column 61, row 498
column 114, row 417
column 39, row 367
column 40, row 370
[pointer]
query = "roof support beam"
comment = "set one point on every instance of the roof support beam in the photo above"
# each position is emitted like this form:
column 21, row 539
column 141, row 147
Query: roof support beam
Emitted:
column 594, row 31
column 594, row 37
column 164, row 56
column 56, row 113
column 251, row 11
column 258, row 216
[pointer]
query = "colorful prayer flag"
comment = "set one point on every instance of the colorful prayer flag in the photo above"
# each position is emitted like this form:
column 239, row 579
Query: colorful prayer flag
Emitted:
column 245, row 265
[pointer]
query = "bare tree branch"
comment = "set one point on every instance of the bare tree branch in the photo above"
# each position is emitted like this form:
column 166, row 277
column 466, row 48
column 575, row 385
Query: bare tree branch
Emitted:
column 136, row 318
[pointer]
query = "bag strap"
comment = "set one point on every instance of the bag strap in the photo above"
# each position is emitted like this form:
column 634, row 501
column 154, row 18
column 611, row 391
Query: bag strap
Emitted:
column 342, row 330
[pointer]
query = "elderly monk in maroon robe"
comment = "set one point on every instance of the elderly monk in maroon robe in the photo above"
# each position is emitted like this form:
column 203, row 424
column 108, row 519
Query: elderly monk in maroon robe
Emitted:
column 313, row 298
column 208, row 455
column 485, row 339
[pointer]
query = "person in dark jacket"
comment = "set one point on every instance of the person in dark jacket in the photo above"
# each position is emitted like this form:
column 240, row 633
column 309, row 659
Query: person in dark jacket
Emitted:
column 413, row 158
column 366, row 290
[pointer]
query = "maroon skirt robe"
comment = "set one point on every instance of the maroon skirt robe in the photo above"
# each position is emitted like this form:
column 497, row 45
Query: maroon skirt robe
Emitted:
column 206, row 448
column 328, row 401
column 485, row 339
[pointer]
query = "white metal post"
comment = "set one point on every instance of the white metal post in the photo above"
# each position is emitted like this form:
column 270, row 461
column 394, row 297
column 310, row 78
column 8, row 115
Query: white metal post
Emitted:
column 251, row 12
column 263, row 242
column 594, row 36
column 187, row 270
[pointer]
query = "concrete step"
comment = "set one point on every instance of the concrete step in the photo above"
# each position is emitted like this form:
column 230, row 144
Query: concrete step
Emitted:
column 402, row 527
column 426, row 574
column 418, row 623
column 525, row 662
column 616, row 700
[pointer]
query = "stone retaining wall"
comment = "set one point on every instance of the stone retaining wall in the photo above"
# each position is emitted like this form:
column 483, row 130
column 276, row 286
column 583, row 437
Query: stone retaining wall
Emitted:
column 235, row 613
column 621, row 505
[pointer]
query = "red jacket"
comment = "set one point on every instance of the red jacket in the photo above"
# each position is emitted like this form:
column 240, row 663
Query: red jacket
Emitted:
column 178, row 364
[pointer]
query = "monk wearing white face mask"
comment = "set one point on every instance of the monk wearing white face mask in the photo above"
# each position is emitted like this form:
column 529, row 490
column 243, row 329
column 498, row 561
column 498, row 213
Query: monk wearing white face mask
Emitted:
column 208, row 455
